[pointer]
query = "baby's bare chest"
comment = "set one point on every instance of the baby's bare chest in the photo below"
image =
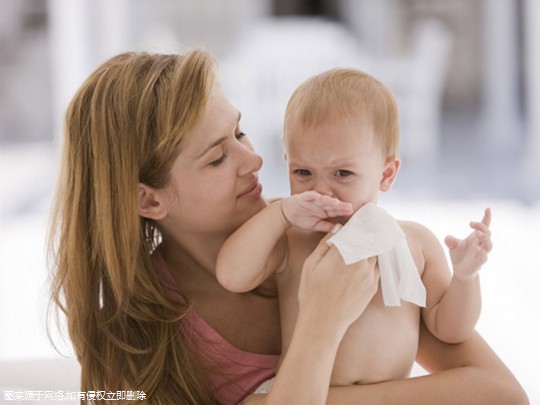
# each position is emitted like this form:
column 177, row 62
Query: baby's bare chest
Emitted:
column 379, row 346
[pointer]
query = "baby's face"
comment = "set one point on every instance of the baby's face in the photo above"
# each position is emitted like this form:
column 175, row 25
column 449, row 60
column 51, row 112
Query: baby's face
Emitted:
column 340, row 159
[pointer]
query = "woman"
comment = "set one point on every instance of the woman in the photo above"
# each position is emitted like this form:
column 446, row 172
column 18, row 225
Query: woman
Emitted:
column 156, row 174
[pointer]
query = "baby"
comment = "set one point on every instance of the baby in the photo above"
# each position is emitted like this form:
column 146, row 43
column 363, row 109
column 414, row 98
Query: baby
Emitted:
column 341, row 138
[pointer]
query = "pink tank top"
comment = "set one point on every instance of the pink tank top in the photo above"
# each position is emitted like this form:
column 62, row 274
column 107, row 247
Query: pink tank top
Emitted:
column 233, row 374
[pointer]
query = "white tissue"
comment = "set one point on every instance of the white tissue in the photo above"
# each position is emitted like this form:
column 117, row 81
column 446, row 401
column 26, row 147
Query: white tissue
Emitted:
column 371, row 231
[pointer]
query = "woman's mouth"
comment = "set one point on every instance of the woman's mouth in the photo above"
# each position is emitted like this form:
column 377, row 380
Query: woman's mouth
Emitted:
column 253, row 191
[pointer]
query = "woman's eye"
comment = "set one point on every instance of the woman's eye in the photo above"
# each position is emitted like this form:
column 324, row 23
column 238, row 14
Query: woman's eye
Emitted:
column 302, row 172
column 218, row 161
column 343, row 173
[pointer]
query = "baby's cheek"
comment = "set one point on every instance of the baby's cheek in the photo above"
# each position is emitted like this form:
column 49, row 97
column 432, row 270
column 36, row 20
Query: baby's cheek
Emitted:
column 298, row 187
column 360, row 203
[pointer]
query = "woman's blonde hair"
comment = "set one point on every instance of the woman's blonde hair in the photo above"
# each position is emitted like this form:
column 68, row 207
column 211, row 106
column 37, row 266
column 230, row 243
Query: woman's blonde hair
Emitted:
column 347, row 93
column 126, row 124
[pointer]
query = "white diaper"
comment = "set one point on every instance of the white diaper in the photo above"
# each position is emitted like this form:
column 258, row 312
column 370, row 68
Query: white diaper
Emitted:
column 264, row 388
column 371, row 231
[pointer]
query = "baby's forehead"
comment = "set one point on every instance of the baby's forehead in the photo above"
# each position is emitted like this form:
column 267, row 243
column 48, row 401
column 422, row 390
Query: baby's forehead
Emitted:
column 335, row 126
column 327, row 110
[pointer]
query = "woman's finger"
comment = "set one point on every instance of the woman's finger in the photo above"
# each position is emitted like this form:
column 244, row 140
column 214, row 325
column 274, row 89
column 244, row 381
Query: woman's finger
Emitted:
column 322, row 248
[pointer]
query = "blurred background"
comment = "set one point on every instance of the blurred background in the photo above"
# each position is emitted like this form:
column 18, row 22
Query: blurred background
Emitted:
column 466, row 74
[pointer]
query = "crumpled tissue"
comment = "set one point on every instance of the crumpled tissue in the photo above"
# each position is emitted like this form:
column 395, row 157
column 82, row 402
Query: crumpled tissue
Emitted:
column 371, row 231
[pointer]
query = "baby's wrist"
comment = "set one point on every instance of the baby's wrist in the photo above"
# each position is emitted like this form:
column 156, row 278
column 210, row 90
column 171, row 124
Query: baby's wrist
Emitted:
column 466, row 278
column 283, row 217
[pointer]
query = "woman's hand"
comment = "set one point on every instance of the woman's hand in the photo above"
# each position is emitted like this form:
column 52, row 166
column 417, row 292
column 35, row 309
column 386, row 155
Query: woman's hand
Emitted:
column 333, row 293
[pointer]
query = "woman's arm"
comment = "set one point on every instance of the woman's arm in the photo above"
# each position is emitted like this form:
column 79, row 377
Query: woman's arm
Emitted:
column 332, row 295
column 330, row 300
column 466, row 373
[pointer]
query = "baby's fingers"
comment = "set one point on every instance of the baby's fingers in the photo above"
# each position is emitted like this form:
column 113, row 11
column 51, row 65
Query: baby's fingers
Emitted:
column 338, row 211
column 334, row 207
column 451, row 241
column 323, row 226
column 480, row 255
column 486, row 220
column 483, row 226
column 480, row 227
column 484, row 241
column 479, row 241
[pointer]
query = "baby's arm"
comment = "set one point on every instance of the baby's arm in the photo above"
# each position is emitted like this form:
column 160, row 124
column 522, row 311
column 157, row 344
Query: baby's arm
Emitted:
column 452, row 317
column 258, row 248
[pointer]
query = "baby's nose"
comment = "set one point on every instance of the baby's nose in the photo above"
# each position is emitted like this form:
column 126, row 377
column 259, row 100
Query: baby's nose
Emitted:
column 322, row 187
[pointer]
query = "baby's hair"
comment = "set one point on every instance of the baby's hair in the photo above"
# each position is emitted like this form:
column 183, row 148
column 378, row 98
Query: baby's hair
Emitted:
column 347, row 93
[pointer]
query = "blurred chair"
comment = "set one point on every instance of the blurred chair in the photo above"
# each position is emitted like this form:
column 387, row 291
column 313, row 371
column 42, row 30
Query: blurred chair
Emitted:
column 418, row 81
column 277, row 54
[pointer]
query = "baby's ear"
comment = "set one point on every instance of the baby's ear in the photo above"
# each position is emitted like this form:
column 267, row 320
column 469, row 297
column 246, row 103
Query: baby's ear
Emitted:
column 149, row 202
column 389, row 174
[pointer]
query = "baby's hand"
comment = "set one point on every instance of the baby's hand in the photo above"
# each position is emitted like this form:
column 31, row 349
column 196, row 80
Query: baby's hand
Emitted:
column 309, row 210
column 468, row 255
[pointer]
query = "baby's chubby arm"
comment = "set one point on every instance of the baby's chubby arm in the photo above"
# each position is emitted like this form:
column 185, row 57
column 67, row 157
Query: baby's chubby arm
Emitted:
column 454, row 313
column 258, row 248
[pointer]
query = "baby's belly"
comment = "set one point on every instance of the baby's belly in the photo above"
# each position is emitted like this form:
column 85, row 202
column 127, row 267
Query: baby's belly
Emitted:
column 381, row 345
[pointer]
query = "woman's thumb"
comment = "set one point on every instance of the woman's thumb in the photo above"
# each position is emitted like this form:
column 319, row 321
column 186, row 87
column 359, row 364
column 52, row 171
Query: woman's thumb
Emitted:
column 323, row 247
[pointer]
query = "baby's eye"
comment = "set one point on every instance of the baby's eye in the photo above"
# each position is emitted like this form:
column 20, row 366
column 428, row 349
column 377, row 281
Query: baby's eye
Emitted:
column 343, row 173
column 302, row 172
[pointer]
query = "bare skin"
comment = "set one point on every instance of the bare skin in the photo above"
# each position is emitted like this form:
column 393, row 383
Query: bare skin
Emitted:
column 209, row 197
column 331, row 176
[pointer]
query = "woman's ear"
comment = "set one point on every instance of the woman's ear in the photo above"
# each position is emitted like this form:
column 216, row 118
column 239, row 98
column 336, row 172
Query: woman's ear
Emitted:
column 389, row 173
column 150, row 203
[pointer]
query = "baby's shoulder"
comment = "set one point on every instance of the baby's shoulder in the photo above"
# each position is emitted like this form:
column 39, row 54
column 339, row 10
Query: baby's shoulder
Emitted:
column 416, row 232
column 421, row 241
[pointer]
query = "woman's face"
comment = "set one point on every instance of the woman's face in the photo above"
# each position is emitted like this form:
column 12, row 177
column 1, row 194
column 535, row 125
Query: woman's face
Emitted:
column 214, row 184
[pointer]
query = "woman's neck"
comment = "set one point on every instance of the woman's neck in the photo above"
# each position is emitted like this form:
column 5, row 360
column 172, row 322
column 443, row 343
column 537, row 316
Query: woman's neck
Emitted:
column 192, row 254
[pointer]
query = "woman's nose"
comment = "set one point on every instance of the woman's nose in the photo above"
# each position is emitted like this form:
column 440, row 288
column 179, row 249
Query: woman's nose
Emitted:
column 251, row 162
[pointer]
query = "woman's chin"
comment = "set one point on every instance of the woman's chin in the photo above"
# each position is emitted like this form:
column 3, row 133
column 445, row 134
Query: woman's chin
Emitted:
column 254, row 207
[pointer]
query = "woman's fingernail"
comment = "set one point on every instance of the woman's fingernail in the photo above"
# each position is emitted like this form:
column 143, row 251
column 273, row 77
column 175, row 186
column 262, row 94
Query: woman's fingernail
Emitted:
column 336, row 228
